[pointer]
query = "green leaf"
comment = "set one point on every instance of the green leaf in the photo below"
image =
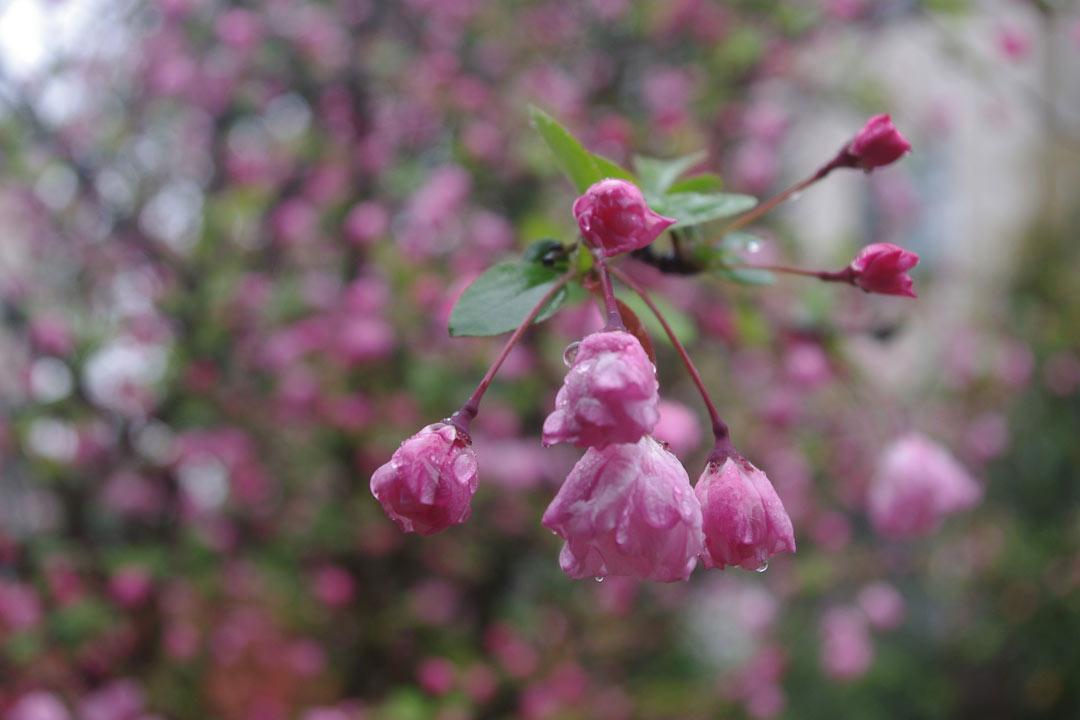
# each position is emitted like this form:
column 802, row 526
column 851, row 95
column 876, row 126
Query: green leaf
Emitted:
column 612, row 169
column 746, row 276
column 681, row 323
column 657, row 176
column 703, row 183
column 691, row 208
column 573, row 159
column 499, row 300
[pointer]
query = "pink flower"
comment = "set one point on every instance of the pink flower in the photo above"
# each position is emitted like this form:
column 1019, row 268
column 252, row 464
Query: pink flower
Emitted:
column 333, row 586
column 610, row 394
column 879, row 143
column 847, row 649
column 430, row 480
column 678, row 426
column 627, row 510
column 917, row 483
column 882, row 604
column 39, row 705
column 614, row 217
column 130, row 586
column 882, row 268
column 436, row 675
column 743, row 519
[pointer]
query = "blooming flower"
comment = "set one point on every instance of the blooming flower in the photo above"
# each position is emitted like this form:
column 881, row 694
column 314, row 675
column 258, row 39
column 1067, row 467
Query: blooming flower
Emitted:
column 39, row 705
column 430, row 480
column 743, row 519
column 610, row 394
column 882, row 268
column 847, row 650
column 627, row 510
column 614, row 217
column 879, row 143
column 917, row 483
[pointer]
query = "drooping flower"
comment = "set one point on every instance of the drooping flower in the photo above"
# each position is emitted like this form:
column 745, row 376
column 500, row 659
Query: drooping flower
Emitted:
column 879, row 143
column 429, row 481
column 917, row 483
column 614, row 217
column 883, row 268
column 742, row 517
column 610, row 394
column 627, row 509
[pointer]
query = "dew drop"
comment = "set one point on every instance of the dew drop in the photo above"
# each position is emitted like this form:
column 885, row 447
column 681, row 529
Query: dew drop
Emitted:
column 763, row 568
column 753, row 246
column 599, row 578
column 570, row 353
column 795, row 196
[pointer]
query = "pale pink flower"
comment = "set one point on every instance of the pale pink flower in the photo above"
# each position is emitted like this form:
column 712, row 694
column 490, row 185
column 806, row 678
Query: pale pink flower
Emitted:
column 610, row 394
column 39, row 705
column 743, row 519
column 430, row 480
column 882, row 268
column 879, row 143
column 627, row 510
column 678, row 426
column 847, row 650
column 130, row 586
column 882, row 604
column 917, row 483
column 613, row 216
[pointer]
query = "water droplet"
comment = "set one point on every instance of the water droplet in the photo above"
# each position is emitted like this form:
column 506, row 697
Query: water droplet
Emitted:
column 570, row 353
column 795, row 196
column 753, row 246
column 599, row 578
column 763, row 568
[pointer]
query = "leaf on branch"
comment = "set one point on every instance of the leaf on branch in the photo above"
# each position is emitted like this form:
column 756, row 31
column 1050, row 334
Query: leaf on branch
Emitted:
column 703, row 183
column 692, row 208
column 573, row 159
column 500, row 299
column 681, row 323
column 657, row 176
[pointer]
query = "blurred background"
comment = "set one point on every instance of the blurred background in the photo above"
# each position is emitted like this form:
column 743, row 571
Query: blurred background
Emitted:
column 230, row 238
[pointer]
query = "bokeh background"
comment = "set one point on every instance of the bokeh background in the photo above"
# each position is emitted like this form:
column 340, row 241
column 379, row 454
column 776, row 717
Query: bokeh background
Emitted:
column 230, row 238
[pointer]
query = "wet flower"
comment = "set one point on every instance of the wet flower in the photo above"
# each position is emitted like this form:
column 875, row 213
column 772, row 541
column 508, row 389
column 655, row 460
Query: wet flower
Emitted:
column 883, row 268
column 430, row 480
column 610, row 394
column 879, row 143
column 627, row 509
column 917, row 483
column 614, row 217
column 743, row 519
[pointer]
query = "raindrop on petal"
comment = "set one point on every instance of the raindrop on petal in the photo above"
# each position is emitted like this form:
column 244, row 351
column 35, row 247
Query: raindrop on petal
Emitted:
column 570, row 353
column 763, row 568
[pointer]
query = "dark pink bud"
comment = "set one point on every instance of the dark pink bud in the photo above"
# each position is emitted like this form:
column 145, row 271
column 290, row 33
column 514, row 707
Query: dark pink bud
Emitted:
column 879, row 143
column 882, row 268
column 614, row 217
column 743, row 519
column 430, row 480
column 627, row 510
column 609, row 395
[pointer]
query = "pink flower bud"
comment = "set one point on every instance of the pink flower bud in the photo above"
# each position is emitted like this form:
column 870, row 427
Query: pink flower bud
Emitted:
column 627, row 510
column 614, row 217
column 430, row 480
column 882, row 268
column 879, row 143
column 917, row 483
column 743, row 519
column 610, row 394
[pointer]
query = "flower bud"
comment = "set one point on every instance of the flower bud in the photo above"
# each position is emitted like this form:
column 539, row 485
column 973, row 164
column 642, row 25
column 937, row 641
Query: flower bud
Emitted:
column 879, row 143
column 742, row 517
column 917, row 483
column 610, row 394
column 627, row 510
column 430, row 480
column 882, row 268
column 614, row 217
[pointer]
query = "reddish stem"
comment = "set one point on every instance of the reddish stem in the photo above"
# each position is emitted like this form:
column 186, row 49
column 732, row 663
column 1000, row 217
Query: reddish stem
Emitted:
column 845, row 276
column 752, row 215
column 468, row 411
column 614, row 317
column 720, row 429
